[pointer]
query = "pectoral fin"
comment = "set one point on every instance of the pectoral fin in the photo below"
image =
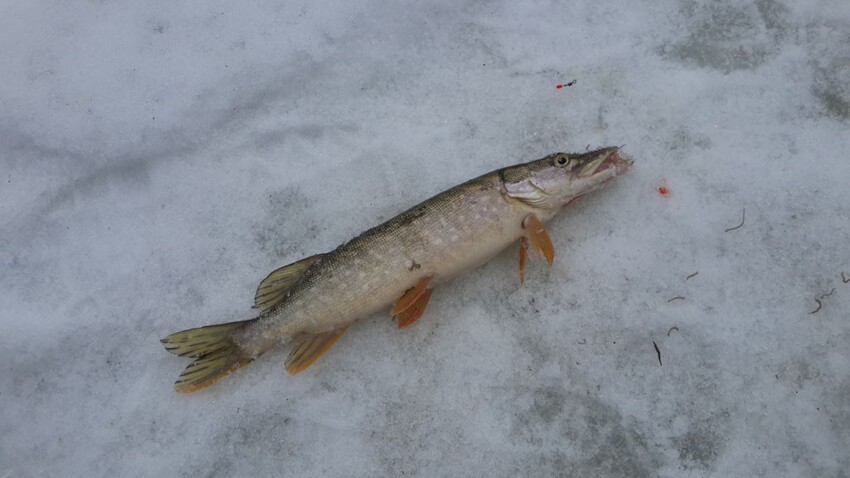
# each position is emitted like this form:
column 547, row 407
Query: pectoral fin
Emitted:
column 412, row 313
column 539, row 239
column 523, row 254
column 309, row 347
column 274, row 287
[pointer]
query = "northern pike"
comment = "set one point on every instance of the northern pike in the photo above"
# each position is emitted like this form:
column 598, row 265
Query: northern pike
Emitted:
column 396, row 265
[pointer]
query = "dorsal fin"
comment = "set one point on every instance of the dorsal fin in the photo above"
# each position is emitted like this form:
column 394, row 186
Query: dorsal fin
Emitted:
column 274, row 287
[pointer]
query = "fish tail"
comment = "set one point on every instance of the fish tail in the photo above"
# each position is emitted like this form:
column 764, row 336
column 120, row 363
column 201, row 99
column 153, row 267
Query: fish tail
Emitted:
column 215, row 351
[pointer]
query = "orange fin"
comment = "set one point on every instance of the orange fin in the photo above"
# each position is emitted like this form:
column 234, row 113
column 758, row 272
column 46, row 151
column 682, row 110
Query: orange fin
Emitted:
column 523, row 254
column 309, row 347
column 540, row 241
column 412, row 313
column 411, row 296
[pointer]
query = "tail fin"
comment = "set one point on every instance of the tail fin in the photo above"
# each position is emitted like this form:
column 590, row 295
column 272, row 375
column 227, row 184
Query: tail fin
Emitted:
column 215, row 351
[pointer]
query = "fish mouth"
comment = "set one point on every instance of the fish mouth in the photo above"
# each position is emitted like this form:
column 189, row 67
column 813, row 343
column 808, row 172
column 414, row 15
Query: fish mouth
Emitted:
column 609, row 158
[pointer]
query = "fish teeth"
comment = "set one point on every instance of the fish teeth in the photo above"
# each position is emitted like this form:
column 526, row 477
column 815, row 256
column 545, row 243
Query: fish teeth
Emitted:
column 591, row 168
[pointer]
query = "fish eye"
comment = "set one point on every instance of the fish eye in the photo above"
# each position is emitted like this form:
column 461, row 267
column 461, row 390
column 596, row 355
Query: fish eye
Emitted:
column 562, row 161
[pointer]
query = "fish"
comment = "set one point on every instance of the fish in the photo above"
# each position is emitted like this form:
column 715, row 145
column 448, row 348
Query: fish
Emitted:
column 397, row 265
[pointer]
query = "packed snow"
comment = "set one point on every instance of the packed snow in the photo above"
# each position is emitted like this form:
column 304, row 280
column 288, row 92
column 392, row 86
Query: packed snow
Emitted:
column 158, row 159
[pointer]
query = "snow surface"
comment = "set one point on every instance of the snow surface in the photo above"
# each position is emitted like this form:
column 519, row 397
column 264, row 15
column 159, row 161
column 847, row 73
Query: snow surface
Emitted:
column 160, row 158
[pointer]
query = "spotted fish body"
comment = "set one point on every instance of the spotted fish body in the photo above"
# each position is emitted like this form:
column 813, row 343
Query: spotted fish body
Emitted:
column 400, row 261
column 442, row 237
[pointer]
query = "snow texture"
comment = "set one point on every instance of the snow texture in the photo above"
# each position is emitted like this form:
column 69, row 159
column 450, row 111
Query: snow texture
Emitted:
column 159, row 158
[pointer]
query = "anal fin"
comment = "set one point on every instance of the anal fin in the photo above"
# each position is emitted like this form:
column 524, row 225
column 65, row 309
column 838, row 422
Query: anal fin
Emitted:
column 309, row 347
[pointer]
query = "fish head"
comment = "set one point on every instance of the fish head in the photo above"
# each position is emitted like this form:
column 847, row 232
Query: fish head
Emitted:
column 555, row 181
